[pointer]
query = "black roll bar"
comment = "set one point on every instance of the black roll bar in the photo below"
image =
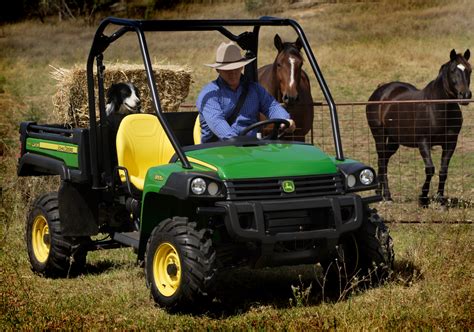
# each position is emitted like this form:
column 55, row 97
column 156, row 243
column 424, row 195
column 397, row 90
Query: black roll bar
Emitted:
column 156, row 101
column 324, row 88
column 247, row 41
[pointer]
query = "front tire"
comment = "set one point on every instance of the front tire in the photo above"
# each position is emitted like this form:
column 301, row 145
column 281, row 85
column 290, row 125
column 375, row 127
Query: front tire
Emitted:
column 52, row 254
column 375, row 248
column 363, row 258
column 180, row 264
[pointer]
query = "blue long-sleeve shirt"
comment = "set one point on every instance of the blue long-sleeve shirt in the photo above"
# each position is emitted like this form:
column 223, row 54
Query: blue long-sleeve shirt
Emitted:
column 217, row 100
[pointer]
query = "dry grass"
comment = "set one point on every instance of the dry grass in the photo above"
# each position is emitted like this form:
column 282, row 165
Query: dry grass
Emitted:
column 358, row 46
column 112, row 292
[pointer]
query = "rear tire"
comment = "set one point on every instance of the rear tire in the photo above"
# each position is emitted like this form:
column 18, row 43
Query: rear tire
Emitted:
column 180, row 264
column 50, row 253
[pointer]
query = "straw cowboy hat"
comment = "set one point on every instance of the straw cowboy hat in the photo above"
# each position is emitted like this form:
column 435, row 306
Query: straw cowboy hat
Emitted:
column 228, row 57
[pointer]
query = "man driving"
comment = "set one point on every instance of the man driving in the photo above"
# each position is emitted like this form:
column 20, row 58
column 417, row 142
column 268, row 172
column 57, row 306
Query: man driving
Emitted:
column 230, row 103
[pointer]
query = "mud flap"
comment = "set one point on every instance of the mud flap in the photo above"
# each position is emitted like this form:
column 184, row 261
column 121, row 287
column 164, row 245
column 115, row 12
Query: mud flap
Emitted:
column 78, row 210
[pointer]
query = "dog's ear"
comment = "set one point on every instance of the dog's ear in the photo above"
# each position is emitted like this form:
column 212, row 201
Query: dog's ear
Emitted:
column 111, row 92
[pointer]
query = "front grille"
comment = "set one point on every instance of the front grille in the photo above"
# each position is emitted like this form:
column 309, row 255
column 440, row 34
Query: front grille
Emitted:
column 299, row 220
column 305, row 186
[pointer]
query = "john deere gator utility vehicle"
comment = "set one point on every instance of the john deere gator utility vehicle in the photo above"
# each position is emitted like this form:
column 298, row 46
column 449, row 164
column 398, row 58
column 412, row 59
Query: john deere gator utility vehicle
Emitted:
column 189, row 209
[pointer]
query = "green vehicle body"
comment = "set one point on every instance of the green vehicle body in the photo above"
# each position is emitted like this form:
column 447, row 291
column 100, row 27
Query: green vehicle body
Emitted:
column 233, row 163
column 266, row 161
column 65, row 151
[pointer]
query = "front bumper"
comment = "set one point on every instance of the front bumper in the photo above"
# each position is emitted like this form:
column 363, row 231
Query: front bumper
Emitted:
column 271, row 221
column 316, row 223
column 293, row 219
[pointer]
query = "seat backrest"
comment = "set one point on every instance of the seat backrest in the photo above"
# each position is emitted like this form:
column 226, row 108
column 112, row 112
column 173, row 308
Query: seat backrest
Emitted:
column 197, row 131
column 141, row 143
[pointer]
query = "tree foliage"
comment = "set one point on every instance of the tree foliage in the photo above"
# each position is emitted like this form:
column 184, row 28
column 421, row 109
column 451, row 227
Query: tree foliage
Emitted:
column 17, row 10
column 12, row 11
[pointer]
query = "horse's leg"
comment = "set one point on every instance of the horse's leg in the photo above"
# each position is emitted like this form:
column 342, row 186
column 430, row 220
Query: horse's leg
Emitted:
column 379, row 146
column 384, row 152
column 425, row 151
column 448, row 150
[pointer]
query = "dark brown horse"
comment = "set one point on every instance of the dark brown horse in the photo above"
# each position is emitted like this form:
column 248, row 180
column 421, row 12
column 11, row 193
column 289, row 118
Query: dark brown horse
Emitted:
column 421, row 125
column 289, row 84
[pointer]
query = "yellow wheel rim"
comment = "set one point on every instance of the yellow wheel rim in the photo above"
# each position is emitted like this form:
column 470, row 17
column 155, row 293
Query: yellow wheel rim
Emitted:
column 167, row 269
column 41, row 239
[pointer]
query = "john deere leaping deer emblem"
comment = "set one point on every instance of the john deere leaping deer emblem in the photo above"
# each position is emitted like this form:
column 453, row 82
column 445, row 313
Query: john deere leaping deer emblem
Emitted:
column 288, row 186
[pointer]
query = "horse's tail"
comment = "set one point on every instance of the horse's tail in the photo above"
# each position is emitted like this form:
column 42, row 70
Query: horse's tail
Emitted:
column 375, row 112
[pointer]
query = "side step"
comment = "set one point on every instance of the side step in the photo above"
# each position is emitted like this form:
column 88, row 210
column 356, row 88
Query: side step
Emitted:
column 131, row 239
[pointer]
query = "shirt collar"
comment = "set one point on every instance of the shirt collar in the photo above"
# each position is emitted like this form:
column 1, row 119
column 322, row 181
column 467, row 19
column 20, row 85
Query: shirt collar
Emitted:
column 220, row 81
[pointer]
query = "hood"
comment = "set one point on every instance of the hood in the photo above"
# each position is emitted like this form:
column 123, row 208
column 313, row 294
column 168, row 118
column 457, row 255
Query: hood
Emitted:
column 264, row 161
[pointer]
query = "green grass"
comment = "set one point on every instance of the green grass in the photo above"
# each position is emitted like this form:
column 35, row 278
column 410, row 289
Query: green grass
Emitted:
column 358, row 46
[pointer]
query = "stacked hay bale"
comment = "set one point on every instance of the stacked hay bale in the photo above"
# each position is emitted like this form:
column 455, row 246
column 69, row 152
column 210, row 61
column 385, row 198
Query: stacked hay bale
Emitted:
column 71, row 99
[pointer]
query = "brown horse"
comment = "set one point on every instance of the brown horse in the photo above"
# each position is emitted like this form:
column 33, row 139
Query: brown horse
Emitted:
column 289, row 84
column 420, row 125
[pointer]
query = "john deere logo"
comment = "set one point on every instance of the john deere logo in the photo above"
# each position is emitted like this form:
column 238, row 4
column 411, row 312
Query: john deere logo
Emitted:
column 288, row 186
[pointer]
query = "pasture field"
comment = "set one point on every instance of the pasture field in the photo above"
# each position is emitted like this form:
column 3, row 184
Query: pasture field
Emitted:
column 358, row 45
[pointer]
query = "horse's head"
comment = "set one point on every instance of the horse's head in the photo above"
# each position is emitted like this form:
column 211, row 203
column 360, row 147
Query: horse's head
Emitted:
column 288, row 65
column 459, row 75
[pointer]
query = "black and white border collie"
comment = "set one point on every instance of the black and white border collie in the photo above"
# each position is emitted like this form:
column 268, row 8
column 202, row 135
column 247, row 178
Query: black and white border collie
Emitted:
column 122, row 99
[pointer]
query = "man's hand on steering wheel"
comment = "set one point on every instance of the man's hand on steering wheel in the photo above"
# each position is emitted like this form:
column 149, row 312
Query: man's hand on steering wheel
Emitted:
column 289, row 129
column 280, row 128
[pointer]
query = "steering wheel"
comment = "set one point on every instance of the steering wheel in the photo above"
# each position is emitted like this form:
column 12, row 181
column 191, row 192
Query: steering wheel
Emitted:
column 276, row 133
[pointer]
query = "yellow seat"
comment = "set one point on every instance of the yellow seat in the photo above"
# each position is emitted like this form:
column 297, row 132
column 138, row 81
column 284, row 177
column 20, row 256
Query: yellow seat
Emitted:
column 141, row 143
column 197, row 131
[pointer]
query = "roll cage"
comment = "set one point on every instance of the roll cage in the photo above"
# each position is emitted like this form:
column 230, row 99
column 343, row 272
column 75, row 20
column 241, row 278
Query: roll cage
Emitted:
column 247, row 40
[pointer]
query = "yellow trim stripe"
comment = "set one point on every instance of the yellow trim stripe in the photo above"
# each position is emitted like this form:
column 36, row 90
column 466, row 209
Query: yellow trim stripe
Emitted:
column 57, row 147
column 202, row 163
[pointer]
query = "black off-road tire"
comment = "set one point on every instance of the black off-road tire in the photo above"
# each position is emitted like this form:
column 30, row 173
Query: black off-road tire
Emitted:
column 376, row 255
column 190, row 265
column 52, row 254
column 363, row 258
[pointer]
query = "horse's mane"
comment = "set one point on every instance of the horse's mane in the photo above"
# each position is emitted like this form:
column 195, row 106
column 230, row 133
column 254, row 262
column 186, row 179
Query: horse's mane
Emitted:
column 458, row 56
column 443, row 68
column 443, row 73
column 292, row 49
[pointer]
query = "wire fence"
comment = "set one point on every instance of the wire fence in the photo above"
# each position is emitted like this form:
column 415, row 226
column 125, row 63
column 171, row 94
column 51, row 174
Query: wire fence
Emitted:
column 406, row 168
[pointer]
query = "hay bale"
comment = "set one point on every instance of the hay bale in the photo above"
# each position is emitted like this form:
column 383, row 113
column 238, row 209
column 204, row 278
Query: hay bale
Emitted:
column 71, row 99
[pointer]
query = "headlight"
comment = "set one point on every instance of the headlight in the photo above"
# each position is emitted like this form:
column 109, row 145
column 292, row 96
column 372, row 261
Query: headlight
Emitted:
column 198, row 186
column 212, row 188
column 351, row 181
column 366, row 177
